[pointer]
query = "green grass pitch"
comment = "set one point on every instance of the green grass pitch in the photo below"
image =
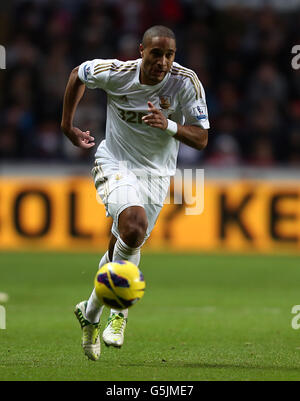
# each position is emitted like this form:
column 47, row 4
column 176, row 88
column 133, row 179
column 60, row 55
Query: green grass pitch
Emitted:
column 203, row 317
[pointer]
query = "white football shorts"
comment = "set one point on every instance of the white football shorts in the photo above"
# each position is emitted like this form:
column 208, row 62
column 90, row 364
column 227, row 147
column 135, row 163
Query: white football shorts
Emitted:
column 120, row 188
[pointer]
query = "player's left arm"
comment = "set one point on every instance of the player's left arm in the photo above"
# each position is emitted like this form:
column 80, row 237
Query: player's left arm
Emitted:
column 191, row 135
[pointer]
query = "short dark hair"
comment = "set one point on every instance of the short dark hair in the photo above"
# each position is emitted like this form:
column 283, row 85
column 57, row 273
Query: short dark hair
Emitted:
column 157, row 31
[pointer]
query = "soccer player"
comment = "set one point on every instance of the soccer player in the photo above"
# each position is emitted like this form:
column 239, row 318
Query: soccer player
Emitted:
column 153, row 104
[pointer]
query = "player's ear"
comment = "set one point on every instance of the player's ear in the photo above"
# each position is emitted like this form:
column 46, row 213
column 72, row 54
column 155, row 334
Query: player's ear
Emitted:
column 141, row 50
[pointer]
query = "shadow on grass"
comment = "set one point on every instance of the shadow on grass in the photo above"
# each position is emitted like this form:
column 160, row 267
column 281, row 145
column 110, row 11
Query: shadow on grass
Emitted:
column 203, row 365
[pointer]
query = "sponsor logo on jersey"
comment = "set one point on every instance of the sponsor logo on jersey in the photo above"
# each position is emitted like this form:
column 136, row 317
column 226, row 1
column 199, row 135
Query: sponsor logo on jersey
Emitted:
column 165, row 102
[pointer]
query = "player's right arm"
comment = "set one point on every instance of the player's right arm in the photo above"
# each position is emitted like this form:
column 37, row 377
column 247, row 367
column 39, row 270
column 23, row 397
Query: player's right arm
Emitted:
column 74, row 91
column 91, row 74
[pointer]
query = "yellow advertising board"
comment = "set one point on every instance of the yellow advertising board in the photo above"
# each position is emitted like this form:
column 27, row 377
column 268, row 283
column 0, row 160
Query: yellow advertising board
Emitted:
column 65, row 214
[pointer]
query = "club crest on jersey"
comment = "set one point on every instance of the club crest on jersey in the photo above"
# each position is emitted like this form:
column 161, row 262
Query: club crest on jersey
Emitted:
column 200, row 112
column 165, row 102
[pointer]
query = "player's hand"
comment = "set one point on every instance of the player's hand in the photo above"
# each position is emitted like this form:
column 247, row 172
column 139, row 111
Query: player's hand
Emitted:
column 82, row 139
column 155, row 118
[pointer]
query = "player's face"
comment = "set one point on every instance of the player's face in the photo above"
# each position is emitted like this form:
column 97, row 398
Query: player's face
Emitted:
column 158, row 56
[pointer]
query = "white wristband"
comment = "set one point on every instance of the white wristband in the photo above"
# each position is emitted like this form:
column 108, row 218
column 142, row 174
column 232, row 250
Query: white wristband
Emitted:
column 172, row 128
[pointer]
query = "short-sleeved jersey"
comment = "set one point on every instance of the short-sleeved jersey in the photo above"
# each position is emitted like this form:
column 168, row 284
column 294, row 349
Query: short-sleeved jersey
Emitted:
column 180, row 96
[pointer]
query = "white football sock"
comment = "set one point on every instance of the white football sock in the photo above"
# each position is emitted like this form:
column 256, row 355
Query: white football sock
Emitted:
column 124, row 252
column 104, row 260
column 94, row 307
column 115, row 311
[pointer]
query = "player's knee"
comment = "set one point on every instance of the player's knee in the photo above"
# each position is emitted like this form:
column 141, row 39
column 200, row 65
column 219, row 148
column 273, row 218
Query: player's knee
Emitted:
column 133, row 232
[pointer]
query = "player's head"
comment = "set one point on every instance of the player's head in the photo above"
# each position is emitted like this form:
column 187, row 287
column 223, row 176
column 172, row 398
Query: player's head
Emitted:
column 157, row 50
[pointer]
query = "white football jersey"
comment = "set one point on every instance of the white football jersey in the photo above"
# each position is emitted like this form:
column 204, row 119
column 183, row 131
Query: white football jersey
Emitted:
column 180, row 96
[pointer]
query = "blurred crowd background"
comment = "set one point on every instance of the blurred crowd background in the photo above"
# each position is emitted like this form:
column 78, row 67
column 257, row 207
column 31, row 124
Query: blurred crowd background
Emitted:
column 241, row 52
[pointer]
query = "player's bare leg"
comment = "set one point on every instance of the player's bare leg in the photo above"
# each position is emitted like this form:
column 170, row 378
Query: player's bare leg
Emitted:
column 132, row 228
